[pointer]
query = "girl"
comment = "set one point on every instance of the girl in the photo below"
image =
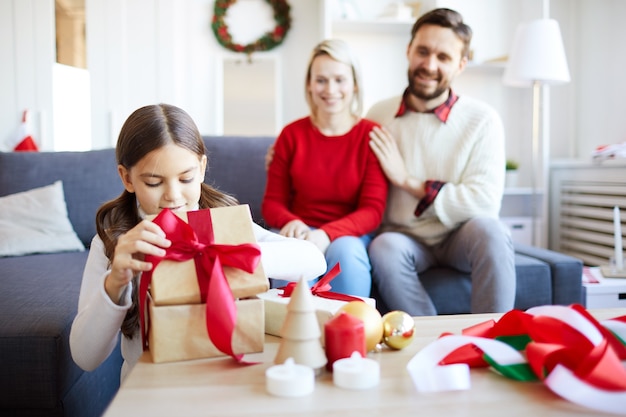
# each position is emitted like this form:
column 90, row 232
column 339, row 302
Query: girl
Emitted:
column 324, row 183
column 161, row 162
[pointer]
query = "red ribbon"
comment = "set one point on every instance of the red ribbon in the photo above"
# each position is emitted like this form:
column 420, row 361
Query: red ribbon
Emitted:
column 550, row 343
column 322, row 287
column 194, row 240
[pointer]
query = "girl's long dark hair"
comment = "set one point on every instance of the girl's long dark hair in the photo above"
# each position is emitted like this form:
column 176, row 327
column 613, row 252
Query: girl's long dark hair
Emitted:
column 147, row 129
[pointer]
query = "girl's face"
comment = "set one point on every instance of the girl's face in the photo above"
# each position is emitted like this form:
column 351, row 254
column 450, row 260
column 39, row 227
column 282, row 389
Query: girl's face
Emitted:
column 331, row 85
column 168, row 177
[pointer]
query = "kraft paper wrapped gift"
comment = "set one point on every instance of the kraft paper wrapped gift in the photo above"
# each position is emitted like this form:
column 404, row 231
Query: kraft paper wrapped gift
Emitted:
column 276, row 309
column 178, row 332
column 176, row 282
column 176, row 324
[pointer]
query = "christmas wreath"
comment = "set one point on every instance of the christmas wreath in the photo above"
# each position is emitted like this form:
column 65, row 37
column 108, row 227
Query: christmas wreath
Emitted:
column 266, row 42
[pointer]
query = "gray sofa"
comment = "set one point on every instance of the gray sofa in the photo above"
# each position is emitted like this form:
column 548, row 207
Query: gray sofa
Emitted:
column 40, row 292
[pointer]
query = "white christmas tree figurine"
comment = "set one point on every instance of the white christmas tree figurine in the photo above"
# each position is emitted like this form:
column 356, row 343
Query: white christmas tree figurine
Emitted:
column 301, row 332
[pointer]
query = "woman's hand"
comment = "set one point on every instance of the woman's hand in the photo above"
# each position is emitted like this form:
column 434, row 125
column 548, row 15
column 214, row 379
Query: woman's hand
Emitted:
column 295, row 228
column 299, row 230
column 147, row 238
column 319, row 238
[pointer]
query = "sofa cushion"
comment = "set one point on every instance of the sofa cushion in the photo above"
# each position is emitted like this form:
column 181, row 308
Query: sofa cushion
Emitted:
column 534, row 282
column 450, row 290
column 36, row 368
column 36, row 221
column 89, row 179
column 565, row 270
column 237, row 167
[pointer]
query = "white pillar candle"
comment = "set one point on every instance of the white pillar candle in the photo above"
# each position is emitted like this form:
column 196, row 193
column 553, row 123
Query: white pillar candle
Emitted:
column 356, row 372
column 617, row 226
column 289, row 379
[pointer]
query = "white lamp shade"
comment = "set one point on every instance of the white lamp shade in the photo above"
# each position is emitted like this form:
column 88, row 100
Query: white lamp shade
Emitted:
column 537, row 54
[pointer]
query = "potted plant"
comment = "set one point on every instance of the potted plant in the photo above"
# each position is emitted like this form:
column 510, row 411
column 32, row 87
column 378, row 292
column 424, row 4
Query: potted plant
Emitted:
column 510, row 179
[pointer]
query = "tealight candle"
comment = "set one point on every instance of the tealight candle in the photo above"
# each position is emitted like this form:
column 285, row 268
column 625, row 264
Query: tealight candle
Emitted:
column 356, row 372
column 289, row 379
column 343, row 334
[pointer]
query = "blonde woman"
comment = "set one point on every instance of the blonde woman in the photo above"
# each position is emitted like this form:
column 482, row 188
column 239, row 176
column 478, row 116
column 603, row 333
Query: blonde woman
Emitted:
column 325, row 184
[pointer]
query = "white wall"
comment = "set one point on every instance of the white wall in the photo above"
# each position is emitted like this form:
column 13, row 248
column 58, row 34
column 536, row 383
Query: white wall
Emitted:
column 598, row 75
column 28, row 52
column 146, row 51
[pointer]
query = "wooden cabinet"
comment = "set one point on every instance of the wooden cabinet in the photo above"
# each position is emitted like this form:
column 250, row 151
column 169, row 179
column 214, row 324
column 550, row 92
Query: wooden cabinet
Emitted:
column 518, row 205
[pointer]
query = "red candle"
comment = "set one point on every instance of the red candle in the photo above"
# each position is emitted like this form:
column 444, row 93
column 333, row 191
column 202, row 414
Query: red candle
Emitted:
column 343, row 334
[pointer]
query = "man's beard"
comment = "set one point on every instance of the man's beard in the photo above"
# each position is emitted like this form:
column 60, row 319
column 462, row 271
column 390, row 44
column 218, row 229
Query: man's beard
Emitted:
column 421, row 94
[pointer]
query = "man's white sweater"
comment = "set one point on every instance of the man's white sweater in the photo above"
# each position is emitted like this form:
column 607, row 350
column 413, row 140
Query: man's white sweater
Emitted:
column 466, row 152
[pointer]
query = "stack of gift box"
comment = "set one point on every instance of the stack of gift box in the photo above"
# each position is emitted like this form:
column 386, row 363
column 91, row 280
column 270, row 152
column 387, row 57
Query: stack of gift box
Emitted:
column 179, row 301
column 181, row 304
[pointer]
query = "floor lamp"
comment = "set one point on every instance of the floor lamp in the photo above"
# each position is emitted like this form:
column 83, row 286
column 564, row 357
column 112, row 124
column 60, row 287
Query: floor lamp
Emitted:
column 537, row 58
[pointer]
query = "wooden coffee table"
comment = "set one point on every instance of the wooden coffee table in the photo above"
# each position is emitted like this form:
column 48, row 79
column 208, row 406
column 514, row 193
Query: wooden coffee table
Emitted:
column 221, row 387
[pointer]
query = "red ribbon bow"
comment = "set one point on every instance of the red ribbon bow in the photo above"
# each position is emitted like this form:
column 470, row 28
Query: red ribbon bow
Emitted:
column 195, row 240
column 322, row 287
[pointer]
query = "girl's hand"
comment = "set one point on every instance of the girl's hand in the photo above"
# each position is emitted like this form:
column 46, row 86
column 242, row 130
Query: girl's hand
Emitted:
column 146, row 238
column 319, row 238
column 295, row 228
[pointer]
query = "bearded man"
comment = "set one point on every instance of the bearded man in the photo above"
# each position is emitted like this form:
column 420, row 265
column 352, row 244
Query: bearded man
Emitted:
column 444, row 157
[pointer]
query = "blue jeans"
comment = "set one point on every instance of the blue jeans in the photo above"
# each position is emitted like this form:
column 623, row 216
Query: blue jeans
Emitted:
column 351, row 253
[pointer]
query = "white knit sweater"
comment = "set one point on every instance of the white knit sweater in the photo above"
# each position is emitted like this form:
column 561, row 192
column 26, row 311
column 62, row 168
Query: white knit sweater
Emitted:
column 97, row 325
column 467, row 152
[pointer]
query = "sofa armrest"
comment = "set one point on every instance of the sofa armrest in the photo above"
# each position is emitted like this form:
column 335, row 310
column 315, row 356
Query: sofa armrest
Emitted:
column 566, row 272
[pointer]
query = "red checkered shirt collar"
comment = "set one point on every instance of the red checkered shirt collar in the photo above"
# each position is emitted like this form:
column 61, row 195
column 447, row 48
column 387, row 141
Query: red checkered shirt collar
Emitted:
column 442, row 111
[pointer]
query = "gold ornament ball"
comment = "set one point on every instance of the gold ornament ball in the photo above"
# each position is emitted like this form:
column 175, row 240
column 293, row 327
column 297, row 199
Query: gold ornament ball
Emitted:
column 398, row 329
column 372, row 321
